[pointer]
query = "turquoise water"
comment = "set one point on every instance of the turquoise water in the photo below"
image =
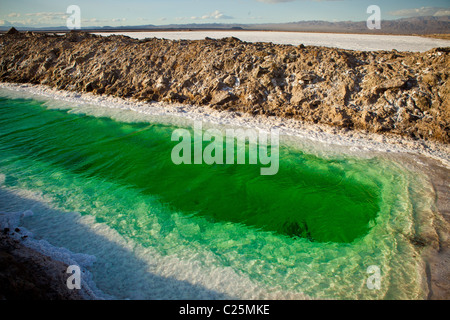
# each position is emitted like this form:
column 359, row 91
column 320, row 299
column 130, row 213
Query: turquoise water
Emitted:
column 312, row 230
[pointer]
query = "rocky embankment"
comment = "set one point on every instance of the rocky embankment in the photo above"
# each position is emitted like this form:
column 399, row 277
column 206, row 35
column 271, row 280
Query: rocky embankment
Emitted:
column 26, row 274
column 397, row 92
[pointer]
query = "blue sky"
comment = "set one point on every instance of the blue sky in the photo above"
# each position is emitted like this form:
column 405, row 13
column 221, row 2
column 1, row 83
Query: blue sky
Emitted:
column 141, row 12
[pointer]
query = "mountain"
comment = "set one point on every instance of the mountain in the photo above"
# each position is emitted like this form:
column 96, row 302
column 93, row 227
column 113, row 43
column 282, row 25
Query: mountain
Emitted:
column 417, row 25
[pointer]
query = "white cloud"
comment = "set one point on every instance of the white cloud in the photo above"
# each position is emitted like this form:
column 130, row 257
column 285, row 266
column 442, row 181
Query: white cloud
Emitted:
column 42, row 19
column 424, row 11
column 216, row 15
column 8, row 23
column 96, row 21
column 47, row 15
column 35, row 19
column 145, row 19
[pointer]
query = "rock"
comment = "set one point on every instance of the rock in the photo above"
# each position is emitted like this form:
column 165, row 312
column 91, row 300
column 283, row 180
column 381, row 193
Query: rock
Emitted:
column 12, row 30
column 174, row 97
column 233, row 40
column 89, row 87
column 396, row 83
column 259, row 71
column 423, row 103
column 222, row 97
column 230, row 81
column 162, row 83
column 307, row 77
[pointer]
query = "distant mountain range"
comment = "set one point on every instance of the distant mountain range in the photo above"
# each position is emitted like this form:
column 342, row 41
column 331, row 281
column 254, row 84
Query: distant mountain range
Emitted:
column 416, row 25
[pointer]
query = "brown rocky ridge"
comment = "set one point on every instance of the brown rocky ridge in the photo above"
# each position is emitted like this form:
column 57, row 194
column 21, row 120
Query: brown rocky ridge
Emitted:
column 384, row 91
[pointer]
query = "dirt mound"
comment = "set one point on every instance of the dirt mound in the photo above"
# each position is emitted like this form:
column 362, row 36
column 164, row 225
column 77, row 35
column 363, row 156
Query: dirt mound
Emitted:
column 12, row 30
column 397, row 92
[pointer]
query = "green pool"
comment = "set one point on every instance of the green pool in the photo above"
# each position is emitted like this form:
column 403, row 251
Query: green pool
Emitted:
column 311, row 230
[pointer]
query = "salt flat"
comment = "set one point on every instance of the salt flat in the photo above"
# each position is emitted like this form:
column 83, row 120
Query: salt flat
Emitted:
column 364, row 42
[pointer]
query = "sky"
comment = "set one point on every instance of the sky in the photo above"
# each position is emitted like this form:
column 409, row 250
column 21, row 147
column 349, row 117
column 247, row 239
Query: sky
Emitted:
column 46, row 13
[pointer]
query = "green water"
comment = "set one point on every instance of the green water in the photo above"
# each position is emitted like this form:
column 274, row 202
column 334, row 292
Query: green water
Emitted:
column 309, row 197
column 317, row 214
